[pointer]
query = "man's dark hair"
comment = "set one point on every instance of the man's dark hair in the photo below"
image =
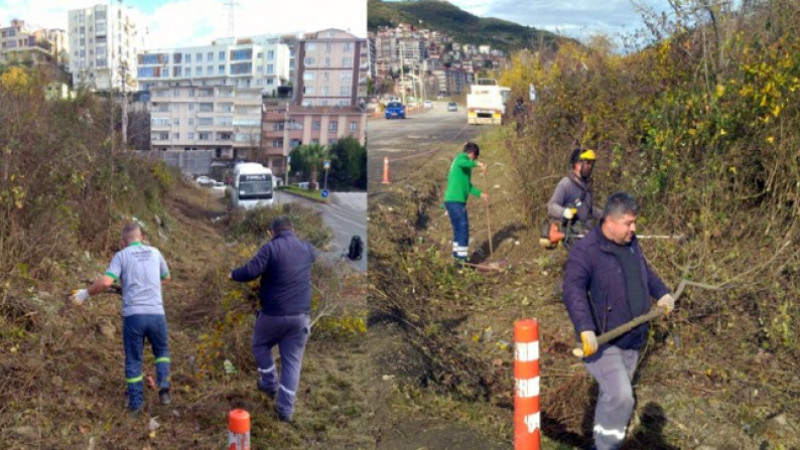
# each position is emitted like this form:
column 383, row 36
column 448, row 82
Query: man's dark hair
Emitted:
column 575, row 156
column 471, row 147
column 281, row 223
column 621, row 203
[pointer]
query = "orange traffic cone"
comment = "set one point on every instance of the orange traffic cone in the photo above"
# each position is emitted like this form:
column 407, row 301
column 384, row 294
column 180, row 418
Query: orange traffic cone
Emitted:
column 385, row 170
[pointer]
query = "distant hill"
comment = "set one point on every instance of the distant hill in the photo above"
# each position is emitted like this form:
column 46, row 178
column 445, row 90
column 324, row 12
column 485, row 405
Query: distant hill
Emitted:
column 464, row 27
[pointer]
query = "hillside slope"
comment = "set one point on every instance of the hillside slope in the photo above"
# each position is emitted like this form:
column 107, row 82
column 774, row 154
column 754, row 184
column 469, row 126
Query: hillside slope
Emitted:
column 467, row 28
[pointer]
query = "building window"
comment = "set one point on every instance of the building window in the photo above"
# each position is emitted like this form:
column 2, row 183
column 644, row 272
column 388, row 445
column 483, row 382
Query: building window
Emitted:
column 353, row 126
column 271, row 55
column 332, row 141
column 238, row 55
column 241, row 68
column 308, row 90
column 190, row 106
column 316, row 125
column 210, row 70
column 188, row 58
column 344, row 91
column 310, row 61
column 347, row 62
column 210, row 56
column 333, row 126
column 190, row 136
column 221, row 56
column 176, row 136
column 270, row 69
column 308, row 76
column 204, row 136
column 277, row 143
column 198, row 57
column 188, row 71
column 327, row 62
column 199, row 70
column 176, row 121
column 310, row 46
column 190, row 121
column 221, row 69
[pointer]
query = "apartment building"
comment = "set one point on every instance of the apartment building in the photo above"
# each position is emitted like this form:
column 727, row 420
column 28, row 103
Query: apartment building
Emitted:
column 289, row 126
column 22, row 43
column 332, row 69
column 103, row 45
column 210, row 97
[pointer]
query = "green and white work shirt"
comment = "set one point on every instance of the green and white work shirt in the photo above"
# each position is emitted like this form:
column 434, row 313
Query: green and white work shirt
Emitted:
column 139, row 268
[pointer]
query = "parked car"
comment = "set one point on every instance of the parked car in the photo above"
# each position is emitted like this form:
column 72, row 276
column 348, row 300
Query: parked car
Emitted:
column 452, row 106
column 205, row 181
column 395, row 110
column 428, row 104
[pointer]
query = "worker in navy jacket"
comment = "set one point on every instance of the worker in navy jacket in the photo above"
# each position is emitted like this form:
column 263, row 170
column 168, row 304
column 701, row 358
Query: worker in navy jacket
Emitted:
column 608, row 282
column 284, row 265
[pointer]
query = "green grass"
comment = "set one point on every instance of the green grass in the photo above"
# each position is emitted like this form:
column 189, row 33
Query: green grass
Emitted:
column 313, row 195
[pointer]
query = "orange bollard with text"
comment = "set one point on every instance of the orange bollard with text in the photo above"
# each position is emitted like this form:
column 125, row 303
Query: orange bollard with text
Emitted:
column 239, row 430
column 385, row 170
column 527, row 420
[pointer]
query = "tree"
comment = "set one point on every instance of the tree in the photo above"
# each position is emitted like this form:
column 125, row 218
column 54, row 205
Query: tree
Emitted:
column 308, row 159
column 349, row 165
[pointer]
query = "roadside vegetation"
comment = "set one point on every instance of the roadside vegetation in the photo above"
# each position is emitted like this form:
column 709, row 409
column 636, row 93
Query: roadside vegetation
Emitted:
column 64, row 196
column 700, row 125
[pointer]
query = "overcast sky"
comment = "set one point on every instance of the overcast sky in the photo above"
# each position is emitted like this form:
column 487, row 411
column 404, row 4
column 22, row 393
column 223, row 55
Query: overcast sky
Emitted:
column 574, row 18
column 182, row 23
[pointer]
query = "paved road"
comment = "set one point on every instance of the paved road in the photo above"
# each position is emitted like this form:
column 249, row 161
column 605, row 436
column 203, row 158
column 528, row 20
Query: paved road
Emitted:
column 346, row 215
column 411, row 142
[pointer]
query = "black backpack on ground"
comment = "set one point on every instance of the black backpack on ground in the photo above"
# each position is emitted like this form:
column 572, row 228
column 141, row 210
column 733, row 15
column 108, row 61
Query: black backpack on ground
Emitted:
column 356, row 248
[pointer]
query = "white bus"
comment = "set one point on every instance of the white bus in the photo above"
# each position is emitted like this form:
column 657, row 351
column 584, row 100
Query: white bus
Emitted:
column 253, row 186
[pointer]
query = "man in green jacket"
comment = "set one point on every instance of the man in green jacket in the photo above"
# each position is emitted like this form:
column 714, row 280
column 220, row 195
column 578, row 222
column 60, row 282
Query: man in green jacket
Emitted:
column 459, row 187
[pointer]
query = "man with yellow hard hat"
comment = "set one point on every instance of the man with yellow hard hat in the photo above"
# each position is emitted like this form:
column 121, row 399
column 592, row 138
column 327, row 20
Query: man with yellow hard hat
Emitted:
column 572, row 199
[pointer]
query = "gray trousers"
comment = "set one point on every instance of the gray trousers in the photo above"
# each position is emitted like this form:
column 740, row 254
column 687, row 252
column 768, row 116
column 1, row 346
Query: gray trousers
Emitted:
column 290, row 334
column 613, row 371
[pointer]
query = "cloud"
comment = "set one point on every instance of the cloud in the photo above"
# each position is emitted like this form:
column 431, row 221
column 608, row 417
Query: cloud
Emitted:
column 197, row 22
column 576, row 18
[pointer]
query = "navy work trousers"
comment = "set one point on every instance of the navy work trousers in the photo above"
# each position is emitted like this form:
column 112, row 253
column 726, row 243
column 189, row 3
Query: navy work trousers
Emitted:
column 135, row 329
column 460, row 221
column 290, row 334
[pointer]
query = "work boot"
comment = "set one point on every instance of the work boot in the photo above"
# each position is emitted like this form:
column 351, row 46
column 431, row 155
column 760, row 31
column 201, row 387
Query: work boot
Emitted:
column 163, row 396
column 270, row 393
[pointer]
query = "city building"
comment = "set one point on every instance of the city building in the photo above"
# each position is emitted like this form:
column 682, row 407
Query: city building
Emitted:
column 210, row 97
column 288, row 126
column 332, row 67
column 23, row 44
column 103, row 46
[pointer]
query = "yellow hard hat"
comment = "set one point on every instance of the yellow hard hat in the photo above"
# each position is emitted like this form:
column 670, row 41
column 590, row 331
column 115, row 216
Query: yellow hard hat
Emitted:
column 587, row 155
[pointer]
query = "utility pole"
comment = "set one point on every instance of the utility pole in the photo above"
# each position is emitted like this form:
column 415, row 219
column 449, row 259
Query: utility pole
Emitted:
column 402, row 79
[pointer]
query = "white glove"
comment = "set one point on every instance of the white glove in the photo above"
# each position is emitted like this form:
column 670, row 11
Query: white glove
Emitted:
column 666, row 301
column 79, row 296
column 569, row 213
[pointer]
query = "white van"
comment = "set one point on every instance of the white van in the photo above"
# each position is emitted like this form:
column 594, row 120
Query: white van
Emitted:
column 253, row 186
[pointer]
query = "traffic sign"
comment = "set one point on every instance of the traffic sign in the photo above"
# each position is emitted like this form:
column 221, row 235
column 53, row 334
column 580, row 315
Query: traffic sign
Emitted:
column 325, row 193
column 326, row 164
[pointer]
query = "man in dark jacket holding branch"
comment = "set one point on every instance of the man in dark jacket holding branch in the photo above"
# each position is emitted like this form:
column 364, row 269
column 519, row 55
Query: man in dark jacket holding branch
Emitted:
column 608, row 282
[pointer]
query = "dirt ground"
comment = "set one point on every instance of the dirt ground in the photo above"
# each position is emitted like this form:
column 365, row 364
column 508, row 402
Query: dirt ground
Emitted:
column 63, row 381
column 692, row 389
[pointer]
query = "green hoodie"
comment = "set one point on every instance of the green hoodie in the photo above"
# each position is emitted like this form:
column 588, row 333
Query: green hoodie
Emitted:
column 458, row 181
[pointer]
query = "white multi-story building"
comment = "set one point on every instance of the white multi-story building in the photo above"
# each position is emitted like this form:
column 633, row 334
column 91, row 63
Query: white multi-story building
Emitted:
column 332, row 69
column 102, row 41
column 209, row 97
column 21, row 43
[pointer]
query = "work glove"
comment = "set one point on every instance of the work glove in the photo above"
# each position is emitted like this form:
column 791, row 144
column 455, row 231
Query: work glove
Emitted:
column 589, row 340
column 79, row 296
column 667, row 302
column 569, row 213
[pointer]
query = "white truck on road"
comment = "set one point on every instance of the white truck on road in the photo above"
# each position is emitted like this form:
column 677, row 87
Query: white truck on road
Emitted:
column 486, row 102
column 253, row 186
